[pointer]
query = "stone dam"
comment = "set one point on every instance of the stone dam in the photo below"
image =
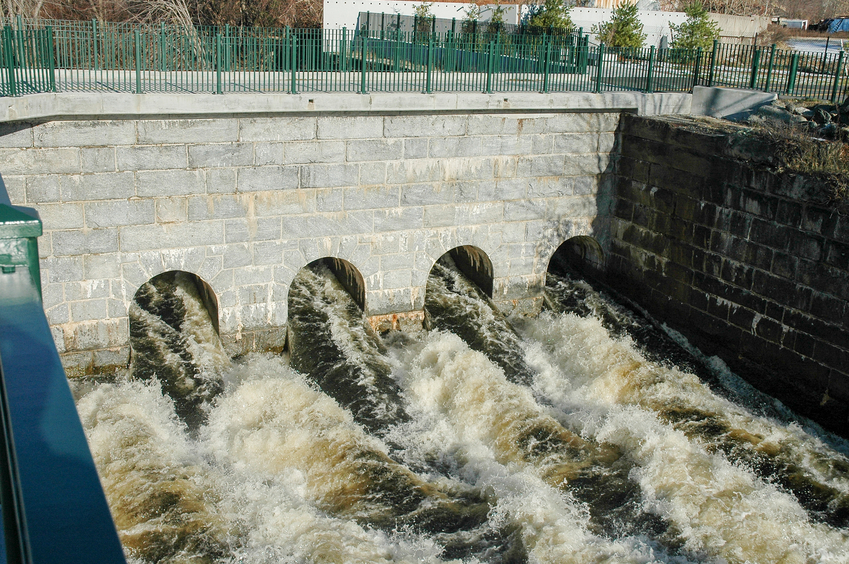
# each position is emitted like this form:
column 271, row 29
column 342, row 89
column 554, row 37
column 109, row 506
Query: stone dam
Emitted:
column 243, row 191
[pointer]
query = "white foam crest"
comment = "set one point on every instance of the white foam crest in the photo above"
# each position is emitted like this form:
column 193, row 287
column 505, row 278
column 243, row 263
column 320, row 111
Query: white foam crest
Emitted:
column 464, row 411
column 721, row 509
column 292, row 452
column 283, row 424
column 278, row 524
column 157, row 486
column 614, row 372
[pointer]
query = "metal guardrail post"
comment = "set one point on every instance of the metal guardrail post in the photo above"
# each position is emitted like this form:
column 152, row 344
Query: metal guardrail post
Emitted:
column 837, row 73
column 769, row 68
column 218, row 89
column 600, row 62
column 53, row 506
column 756, row 67
column 546, row 52
column 650, row 72
column 712, row 63
column 137, row 37
column 791, row 78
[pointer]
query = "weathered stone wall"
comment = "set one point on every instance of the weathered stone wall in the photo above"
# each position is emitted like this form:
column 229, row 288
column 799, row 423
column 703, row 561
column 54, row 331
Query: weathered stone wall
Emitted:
column 245, row 202
column 743, row 259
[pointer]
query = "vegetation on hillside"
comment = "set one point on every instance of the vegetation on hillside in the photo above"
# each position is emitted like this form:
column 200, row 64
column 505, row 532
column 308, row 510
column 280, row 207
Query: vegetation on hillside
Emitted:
column 801, row 146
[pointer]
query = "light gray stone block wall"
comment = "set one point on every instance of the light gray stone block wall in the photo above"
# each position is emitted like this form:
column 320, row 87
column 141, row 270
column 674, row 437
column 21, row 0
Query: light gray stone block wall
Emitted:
column 245, row 202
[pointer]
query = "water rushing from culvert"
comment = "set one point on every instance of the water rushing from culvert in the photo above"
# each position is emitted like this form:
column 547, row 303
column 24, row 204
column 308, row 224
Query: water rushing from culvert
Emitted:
column 565, row 438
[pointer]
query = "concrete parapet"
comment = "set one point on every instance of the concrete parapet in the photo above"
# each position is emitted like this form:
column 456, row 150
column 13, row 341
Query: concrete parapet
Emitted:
column 730, row 103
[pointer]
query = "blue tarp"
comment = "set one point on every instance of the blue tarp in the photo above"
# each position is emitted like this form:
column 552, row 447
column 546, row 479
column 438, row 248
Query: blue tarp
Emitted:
column 838, row 24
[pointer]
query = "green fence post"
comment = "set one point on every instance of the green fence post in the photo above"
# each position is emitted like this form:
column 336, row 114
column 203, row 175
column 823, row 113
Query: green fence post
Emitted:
column 791, row 78
column 162, row 46
column 769, row 68
column 756, row 64
column 448, row 52
column 490, row 63
column 600, row 62
column 697, row 70
column 51, row 58
column 363, row 56
column 218, row 89
column 396, row 55
column 584, row 55
column 837, row 77
column 293, row 52
column 546, row 66
column 712, row 63
column 650, row 73
column 343, row 62
column 94, row 41
column 8, row 46
column 137, row 37
column 429, row 78
column 287, row 48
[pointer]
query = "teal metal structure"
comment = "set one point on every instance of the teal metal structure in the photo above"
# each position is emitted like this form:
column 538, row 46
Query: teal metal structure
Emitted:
column 53, row 506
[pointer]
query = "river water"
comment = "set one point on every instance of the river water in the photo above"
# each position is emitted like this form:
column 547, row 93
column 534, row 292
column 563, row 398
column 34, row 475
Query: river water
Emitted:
column 586, row 434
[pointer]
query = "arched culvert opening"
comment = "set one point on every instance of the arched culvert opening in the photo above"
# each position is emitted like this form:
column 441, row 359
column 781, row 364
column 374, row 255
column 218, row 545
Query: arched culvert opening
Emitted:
column 170, row 296
column 458, row 299
column 174, row 338
column 475, row 265
column 582, row 255
column 323, row 289
column 331, row 342
column 345, row 272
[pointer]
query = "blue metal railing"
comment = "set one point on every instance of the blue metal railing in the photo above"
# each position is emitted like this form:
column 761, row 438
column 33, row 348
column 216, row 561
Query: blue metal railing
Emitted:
column 53, row 506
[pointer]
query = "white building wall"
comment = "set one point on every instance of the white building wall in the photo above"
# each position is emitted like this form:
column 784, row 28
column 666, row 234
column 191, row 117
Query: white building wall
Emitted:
column 343, row 13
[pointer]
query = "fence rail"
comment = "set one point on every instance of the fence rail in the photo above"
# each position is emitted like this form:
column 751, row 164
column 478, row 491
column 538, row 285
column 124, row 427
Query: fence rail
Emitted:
column 64, row 56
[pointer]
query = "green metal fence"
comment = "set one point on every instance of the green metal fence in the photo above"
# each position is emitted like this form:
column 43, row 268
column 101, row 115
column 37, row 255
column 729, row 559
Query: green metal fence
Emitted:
column 815, row 75
column 61, row 56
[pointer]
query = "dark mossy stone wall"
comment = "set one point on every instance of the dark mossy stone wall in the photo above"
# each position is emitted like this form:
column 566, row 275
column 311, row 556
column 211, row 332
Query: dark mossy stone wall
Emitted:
column 751, row 263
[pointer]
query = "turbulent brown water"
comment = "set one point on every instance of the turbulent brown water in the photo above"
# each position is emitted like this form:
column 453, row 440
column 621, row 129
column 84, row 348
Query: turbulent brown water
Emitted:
column 583, row 435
